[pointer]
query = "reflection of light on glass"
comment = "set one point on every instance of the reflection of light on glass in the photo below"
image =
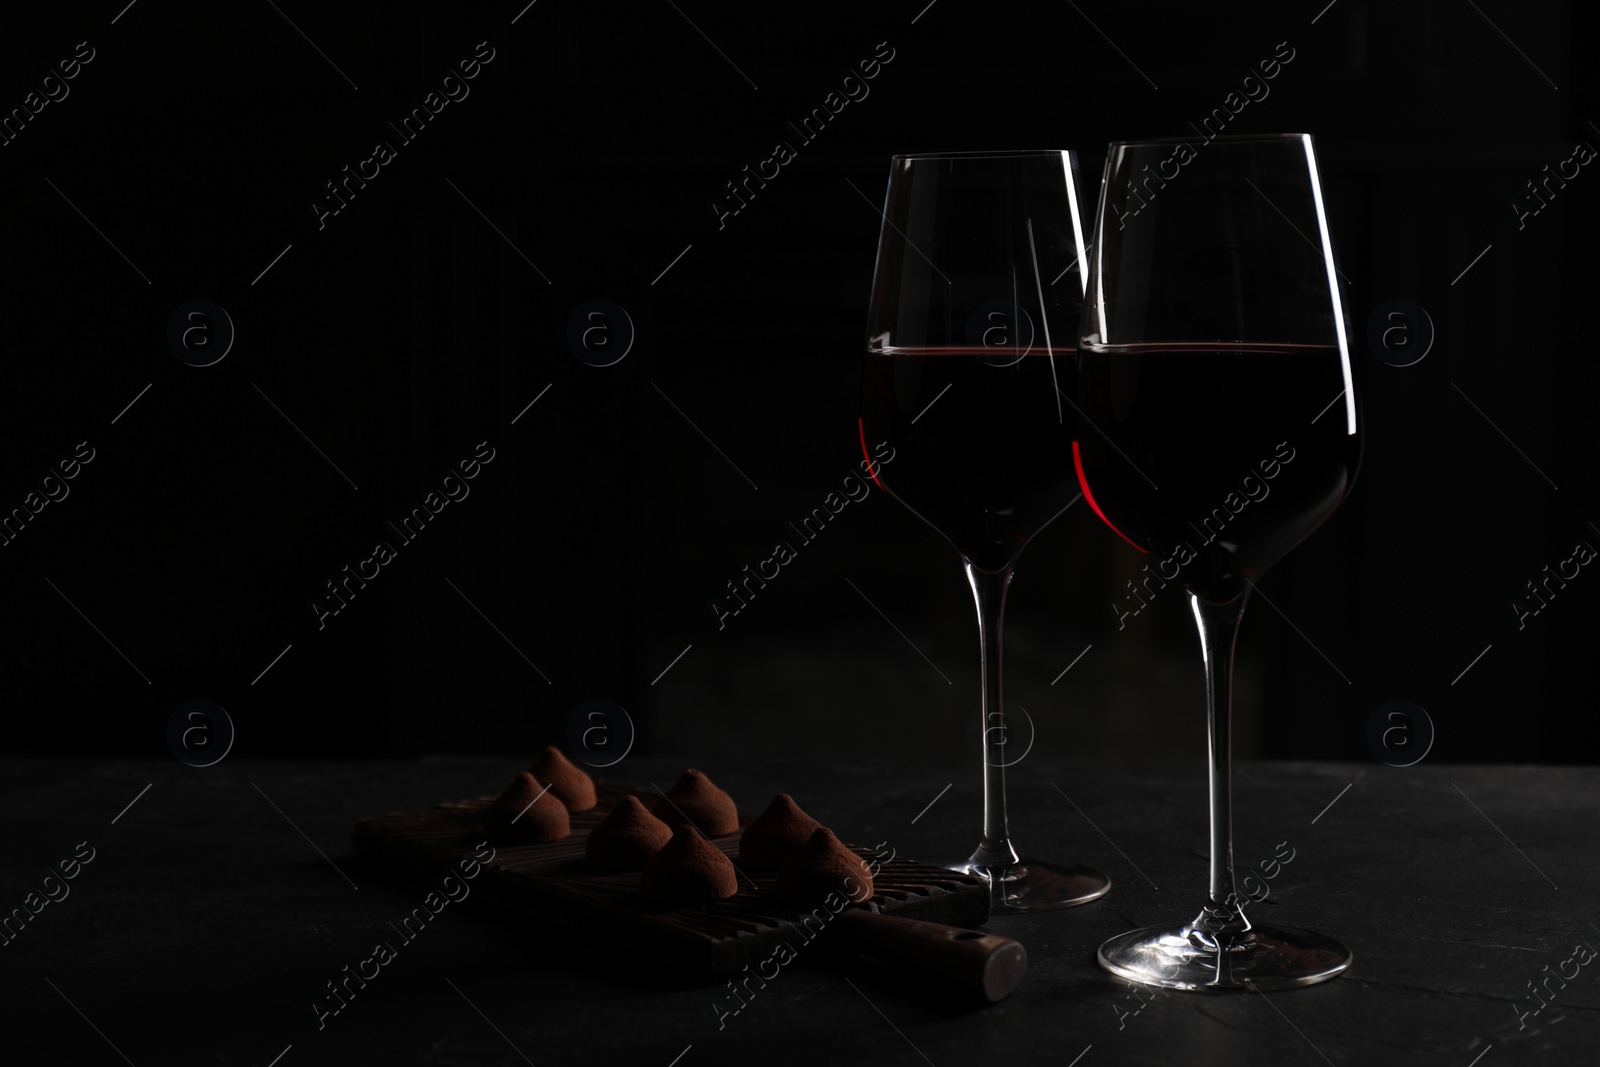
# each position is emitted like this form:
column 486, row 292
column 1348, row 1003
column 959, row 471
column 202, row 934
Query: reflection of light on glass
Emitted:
column 1083, row 483
column 1099, row 261
column 872, row 468
column 1333, row 288
column 1077, row 224
column 1044, row 316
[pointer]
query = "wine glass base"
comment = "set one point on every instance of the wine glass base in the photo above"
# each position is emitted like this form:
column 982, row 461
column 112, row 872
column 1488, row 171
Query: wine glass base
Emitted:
column 1263, row 959
column 1033, row 885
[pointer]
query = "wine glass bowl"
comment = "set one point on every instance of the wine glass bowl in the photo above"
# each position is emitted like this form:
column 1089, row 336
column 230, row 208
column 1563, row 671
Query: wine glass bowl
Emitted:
column 1219, row 428
column 976, row 297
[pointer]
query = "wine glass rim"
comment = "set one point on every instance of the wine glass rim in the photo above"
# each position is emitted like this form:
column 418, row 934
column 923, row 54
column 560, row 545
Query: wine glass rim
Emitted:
column 1229, row 138
column 982, row 154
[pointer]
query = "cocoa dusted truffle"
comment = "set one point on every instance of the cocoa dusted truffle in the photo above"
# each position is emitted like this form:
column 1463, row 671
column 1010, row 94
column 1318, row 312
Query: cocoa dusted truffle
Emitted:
column 688, row 870
column 526, row 813
column 696, row 799
column 780, row 832
column 822, row 867
column 627, row 838
column 568, row 782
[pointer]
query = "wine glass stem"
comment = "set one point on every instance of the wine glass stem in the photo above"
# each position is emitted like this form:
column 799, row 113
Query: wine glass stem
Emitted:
column 989, row 593
column 1219, row 631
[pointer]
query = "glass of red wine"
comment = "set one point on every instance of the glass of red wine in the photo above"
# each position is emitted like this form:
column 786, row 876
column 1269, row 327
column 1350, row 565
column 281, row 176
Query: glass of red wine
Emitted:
column 1219, row 427
column 975, row 304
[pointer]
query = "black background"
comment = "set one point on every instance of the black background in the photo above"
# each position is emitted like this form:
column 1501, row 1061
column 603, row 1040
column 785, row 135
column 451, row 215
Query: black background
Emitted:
column 411, row 327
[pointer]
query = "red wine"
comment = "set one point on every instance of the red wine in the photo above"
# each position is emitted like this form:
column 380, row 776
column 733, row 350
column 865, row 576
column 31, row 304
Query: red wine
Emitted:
column 981, row 440
column 1216, row 459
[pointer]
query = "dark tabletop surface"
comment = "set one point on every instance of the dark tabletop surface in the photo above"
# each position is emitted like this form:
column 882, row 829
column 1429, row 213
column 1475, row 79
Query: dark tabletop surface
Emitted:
column 216, row 907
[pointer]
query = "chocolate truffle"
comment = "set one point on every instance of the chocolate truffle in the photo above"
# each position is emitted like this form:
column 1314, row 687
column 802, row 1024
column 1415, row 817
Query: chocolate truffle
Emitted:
column 526, row 813
column 569, row 783
column 695, row 799
column 780, row 832
column 688, row 870
column 627, row 838
column 821, row 867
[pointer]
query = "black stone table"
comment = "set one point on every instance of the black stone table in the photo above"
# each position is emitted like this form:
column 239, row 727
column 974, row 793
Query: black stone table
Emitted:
column 218, row 903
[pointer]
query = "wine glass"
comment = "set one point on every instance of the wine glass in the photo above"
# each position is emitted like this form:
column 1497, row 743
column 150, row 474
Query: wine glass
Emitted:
column 975, row 299
column 1219, row 428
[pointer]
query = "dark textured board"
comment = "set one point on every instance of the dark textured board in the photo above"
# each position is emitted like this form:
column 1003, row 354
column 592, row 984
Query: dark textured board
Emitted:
column 551, row 885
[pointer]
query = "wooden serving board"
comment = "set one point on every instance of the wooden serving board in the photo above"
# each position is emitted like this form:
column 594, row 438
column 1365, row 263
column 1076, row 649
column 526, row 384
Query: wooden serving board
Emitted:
column 551, row 885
